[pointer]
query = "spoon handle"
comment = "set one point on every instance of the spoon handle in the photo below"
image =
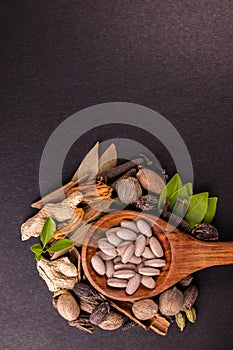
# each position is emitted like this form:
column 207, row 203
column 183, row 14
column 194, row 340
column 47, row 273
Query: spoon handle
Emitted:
column 219, row 253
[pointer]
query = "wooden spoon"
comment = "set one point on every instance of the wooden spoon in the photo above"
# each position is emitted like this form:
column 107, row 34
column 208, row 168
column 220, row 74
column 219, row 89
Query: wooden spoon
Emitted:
column 183, row 253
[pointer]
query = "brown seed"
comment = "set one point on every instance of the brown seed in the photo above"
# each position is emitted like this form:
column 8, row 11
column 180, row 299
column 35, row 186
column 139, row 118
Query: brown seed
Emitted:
column 128, row 253
column 68, row 307
column 156, row 247
column 144, row 228
column 155, row 263
column 148, row 271
column 147, row 254
column 117, row 283
column 125, row 274
column 190, row 296
column 98, row 265
column 109, row 268
column 148, row 282
column 145, row 309
column 133, row 284
column 140, row 245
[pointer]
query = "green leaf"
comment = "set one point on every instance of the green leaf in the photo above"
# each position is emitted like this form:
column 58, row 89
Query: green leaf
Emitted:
column 48, row 230
column 38, row 257
column 172, row 186
column 36, row 248
column 197, row 208
column 183, row 192
column 60, row 245
column 211, row 210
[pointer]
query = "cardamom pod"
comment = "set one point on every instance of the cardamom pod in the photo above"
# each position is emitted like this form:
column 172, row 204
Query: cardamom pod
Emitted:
column 191, row 315
column 180, row 320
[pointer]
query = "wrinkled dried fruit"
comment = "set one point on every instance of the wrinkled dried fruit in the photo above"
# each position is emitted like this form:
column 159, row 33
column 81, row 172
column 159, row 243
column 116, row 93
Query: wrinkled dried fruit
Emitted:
column 99, row 314
column 205, row 232
column 171, row 302
column 145, row 309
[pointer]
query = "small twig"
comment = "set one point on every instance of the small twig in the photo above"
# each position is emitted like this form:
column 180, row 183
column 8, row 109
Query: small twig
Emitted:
column 120, row 169
column 129, row 173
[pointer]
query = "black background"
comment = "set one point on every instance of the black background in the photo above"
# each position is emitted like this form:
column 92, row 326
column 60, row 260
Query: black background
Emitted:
column 61, row 56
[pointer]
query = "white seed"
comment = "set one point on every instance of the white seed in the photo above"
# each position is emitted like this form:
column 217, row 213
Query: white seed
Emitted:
column 121, row 266
column 113, row 239
column 144, row 227
column 135, row 260
column 147, row 254
column 104, row 239
column 113, row 229
column 155, row 263
column 104, row 256
column 126, row 234
column 148, row 282
column 128, row 253
column 117, row 283
column 117, row 259
column 98, row 265
column 140, row 265
column 124, row 274
column 140, row 245
column 109, row 267
column 122, row 247
column 131, row 225
column 148, row 271
column 156, row 247
column 108, row 248
column 133, row 284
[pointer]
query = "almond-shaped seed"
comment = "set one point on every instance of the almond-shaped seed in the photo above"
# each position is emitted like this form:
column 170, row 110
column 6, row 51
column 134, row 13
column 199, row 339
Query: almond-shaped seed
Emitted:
column 147, row 254
column 156, row 247
column 131, row 225
column 113, row 229
column 148, row 271
column 144, row 227
column 133, row 284
column 117, row 283
column 127, row 234
column 128, row 253
column 140, row 265
column 140, row 245
column 104, row 256
column 104, row 239
column 108, row 248
column 122, row 247
column 135, row 260
column 125, row 274
column 109, row 267
column 121, row 266
column 148, row 282
column 117, row 259
column 98, row 265
column 113, row 239
column 155, row 263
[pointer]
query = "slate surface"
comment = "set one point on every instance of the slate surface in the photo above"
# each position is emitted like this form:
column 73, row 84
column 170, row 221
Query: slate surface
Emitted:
column 58, row 57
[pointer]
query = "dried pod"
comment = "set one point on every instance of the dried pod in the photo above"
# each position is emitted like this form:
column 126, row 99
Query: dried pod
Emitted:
column 83, row 323
column 186, row 281
column 128, row 190
column 146, row 203
column 171, row 302
column 100, row 313
column 85, row 292
column 150, row 180
column 190, row 296
column 128, row 325
column 191, row 315
column 113, row 321
column 205, row 232
column 68, row 307
column 180, row 320
column 145, row 309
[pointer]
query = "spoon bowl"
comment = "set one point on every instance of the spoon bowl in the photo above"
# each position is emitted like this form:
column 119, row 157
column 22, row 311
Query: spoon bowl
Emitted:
column 183, row 254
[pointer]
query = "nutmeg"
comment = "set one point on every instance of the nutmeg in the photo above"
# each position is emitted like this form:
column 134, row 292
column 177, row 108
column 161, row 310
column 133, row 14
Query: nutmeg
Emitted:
column 128, row 190
column 113, row 321
column 171, row 302
column 150, row 180
column 145, row 309
column 68, row 307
